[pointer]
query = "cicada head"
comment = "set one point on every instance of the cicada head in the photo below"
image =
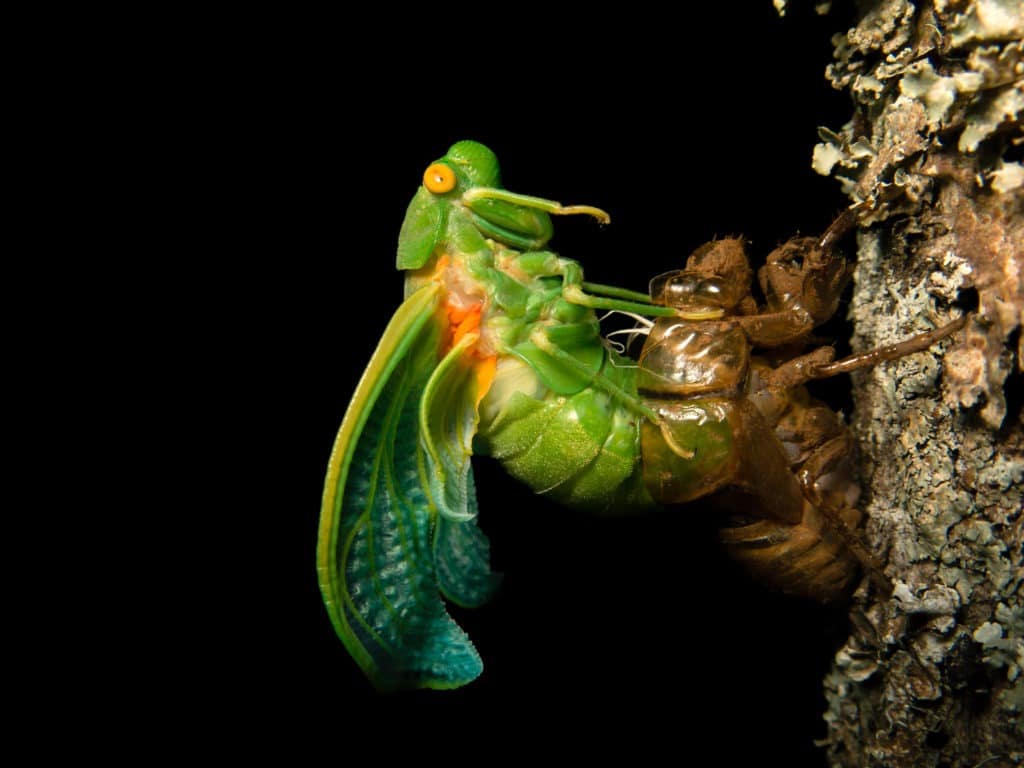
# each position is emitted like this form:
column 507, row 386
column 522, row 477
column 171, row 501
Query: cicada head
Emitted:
column 462, row 203
column 463, row 190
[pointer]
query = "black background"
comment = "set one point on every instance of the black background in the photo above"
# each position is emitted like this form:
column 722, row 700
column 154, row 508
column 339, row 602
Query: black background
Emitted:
column 607, row 633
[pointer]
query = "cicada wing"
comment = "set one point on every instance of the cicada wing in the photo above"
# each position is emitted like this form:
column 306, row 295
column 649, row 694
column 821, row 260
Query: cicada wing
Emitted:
column 449, row 417
column 376, row 551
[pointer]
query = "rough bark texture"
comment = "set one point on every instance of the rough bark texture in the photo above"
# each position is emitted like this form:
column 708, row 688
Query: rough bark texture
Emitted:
column 933, row 675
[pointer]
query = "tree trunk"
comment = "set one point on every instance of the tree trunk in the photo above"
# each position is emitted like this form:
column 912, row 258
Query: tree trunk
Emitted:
column 932, row 676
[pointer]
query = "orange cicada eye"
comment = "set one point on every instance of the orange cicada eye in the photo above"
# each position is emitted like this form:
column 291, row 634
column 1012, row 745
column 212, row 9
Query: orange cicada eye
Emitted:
column 439, row 178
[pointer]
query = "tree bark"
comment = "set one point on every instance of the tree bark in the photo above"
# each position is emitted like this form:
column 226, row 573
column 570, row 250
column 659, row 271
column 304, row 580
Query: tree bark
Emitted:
column 932, row 676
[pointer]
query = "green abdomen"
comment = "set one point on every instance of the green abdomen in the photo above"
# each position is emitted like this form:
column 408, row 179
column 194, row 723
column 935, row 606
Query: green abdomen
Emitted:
column 581, row 450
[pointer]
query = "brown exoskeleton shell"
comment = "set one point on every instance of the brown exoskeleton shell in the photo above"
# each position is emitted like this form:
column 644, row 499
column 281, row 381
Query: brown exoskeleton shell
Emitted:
column 746, row 436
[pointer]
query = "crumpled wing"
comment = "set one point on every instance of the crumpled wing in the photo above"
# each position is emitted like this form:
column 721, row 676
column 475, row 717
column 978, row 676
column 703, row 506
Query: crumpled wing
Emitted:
column 384, row 552
column 449, row 417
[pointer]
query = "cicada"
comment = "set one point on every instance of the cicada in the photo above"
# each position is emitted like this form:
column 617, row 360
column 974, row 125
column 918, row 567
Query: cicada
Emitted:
column 496, row 348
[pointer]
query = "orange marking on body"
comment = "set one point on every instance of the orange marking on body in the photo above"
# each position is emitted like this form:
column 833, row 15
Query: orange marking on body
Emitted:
column 457, row 314
column 470, row 322
column 485, row 376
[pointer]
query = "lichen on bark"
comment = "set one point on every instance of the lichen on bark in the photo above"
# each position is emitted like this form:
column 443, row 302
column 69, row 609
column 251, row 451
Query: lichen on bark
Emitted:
column 932, row 676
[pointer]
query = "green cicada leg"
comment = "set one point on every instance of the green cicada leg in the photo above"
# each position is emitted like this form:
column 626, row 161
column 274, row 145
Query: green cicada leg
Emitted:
column 573, row 290
column 541, row 339
column 612, row 291
column 473, row 198
column 522, row 221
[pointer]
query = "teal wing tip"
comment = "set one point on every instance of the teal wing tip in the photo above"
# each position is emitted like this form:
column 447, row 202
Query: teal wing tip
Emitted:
column 449, row 671
column 428, row 650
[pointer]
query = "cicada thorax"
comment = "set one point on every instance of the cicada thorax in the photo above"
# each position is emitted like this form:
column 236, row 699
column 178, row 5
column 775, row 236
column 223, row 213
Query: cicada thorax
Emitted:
column 769, row 464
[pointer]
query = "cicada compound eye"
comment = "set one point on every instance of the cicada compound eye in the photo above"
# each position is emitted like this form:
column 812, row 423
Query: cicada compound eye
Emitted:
column 439, row 178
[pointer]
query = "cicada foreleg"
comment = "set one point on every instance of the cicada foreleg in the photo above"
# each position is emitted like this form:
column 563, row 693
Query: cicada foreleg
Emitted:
column 575, row 290
column 541, row 338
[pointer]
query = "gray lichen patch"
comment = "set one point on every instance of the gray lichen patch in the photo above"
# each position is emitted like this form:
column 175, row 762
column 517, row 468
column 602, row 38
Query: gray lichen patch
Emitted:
column 988, row 232
column 1002, row 641
column 940, row 94
column 990, row 113
column 982, row 20
column 935, row 144
column 896, row 47
column 1007, row 177
column 920, row 82
column 943, row 498
column 898, row 79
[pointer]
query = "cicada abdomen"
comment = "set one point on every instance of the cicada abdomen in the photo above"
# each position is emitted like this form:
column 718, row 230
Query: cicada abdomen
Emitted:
column 580, row 449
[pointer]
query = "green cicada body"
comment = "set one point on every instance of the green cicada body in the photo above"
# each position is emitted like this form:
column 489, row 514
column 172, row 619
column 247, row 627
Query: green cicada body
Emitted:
column 495, row 349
